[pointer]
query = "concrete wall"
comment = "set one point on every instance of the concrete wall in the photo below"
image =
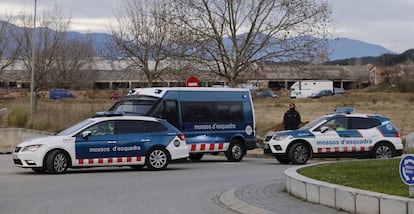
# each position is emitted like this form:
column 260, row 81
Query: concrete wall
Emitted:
column 10, row 137
column 344, row 198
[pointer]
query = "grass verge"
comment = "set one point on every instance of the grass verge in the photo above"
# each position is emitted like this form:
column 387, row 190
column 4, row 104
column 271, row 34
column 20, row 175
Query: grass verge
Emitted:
column 373, row 175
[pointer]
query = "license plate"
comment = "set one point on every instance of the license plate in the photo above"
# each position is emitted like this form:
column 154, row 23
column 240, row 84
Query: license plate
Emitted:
column 266, row 146
column 15, row 156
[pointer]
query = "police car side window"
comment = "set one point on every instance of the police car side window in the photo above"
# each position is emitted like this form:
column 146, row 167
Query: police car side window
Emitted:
column 151, row 126
column 338, row 124
column 363, row 123
column 102, row 128
column 130, row 126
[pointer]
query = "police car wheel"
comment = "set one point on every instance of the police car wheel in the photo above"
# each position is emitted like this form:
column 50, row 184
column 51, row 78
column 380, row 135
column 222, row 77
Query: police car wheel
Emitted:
column 383, row 151
column 196, row 156
column 157, row 159
column 235, row 151
column 57, row 162
column 299, row 153
column 39, row 170
column 283, row 160
column 137, row 167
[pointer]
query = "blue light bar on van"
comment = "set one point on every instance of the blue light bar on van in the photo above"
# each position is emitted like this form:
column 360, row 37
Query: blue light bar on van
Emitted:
column 108, row 113
column 346, row 110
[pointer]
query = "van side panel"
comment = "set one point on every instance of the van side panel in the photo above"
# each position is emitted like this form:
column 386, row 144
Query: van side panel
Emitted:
column 211, row 119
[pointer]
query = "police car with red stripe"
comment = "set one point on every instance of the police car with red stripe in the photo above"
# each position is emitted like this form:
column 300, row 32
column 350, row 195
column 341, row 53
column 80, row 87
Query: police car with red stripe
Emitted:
column 108, row 139
column 341, row 134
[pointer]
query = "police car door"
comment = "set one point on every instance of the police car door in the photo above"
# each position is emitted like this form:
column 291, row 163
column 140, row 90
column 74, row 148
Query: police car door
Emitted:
column 95, row 143
column 328, row 136
column 133, row 140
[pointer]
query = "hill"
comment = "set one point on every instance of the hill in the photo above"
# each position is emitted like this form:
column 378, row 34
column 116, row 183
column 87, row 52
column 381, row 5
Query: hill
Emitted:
column 384, row 59
column 341, row 48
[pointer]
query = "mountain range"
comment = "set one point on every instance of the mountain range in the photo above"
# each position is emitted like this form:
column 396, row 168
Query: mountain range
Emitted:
column 344, row 48
column 340, row 48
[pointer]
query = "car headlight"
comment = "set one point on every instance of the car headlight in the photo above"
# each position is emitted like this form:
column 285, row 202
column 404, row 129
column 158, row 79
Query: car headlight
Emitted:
column 280, row 137
column 31, row 148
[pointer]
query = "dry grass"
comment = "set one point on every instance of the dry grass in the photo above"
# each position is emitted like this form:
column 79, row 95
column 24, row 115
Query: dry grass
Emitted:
column 55, row 115
column 397, row 106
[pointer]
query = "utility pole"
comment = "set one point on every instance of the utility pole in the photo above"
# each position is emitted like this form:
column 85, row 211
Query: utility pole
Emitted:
column 32, row 82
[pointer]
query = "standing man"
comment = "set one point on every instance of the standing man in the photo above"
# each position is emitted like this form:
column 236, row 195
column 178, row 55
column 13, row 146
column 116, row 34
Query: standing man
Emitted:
column 291, row 119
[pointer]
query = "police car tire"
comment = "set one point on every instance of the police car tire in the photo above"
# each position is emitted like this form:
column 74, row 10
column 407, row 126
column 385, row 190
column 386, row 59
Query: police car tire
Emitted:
column 380, row 149
column 235, row 151
column 137, row 167
column 57, row 162
column 196, row 156
column 39, row 170
column 157, row 159
column 299, row 153
column 283, row 160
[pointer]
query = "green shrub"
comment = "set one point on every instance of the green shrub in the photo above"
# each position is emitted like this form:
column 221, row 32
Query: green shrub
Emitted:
column 18, row 117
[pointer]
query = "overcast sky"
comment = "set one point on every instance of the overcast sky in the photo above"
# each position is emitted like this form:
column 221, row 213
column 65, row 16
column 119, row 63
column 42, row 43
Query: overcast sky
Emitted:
column 389, row 23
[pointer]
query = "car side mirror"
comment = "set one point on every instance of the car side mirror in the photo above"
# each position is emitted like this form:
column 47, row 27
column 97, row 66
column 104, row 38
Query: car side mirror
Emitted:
column 324, row 129
column 86, row 134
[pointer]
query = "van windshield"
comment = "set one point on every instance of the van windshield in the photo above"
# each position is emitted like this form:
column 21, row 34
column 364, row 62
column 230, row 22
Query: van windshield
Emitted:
column 136, row 105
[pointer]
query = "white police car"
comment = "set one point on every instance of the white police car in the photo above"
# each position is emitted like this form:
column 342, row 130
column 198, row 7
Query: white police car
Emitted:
column 341, row 134
column 108, row 139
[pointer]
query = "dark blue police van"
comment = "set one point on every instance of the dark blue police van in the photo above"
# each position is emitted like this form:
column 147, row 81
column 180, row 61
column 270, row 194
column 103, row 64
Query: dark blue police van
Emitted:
column 213, row 120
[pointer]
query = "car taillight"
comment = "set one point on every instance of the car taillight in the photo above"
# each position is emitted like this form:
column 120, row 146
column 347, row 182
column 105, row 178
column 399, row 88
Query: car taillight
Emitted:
column 181, row 136
column 397, row 134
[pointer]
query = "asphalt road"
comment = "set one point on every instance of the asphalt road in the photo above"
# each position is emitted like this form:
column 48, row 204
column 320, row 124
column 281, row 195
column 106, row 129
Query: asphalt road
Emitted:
column 184, row 187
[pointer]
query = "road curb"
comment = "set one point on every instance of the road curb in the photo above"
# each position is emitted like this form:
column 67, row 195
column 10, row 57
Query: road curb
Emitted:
column 230, row 200
column 343, row 198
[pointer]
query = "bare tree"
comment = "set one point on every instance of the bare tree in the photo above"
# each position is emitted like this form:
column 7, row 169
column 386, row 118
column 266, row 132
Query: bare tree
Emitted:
column 71, row 62
column 49, row 39
column 8, row 46
column 230, row 35
column 58, row 59
column 144, row 36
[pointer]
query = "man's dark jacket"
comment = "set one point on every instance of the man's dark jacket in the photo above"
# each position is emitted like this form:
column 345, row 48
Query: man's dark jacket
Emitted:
column 291, row 120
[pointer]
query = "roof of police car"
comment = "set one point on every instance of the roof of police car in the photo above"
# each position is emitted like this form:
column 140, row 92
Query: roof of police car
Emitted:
column 357, row 114
column 102, row 116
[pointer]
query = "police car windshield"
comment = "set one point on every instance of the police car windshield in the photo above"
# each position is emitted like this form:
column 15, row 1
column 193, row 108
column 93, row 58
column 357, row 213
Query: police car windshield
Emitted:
column 313, row 123
column 138, row 105
column 75, row 127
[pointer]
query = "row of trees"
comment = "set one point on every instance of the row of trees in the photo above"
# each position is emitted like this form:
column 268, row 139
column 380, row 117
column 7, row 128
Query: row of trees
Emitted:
column 58, row 59
column 222, row 37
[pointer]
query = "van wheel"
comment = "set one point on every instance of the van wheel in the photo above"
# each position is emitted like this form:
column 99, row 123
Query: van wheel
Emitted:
column 235, row 151
column 382, row 151
column 298, row 153
column 57, row 162
column 196, row 156
column 157, row 159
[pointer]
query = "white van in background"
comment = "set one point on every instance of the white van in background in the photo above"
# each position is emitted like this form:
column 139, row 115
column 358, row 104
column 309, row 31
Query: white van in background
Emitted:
column 305, row 88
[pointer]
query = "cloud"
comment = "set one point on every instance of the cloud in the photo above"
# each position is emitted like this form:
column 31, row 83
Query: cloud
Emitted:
column 387, row 23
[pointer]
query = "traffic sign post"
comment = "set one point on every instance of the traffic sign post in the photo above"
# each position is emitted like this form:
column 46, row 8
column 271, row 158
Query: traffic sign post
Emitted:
column 407, row 172
column 192, row 82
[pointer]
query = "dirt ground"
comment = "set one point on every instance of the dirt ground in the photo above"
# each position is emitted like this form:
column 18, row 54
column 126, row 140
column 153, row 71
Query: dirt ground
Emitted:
column 397, row 106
